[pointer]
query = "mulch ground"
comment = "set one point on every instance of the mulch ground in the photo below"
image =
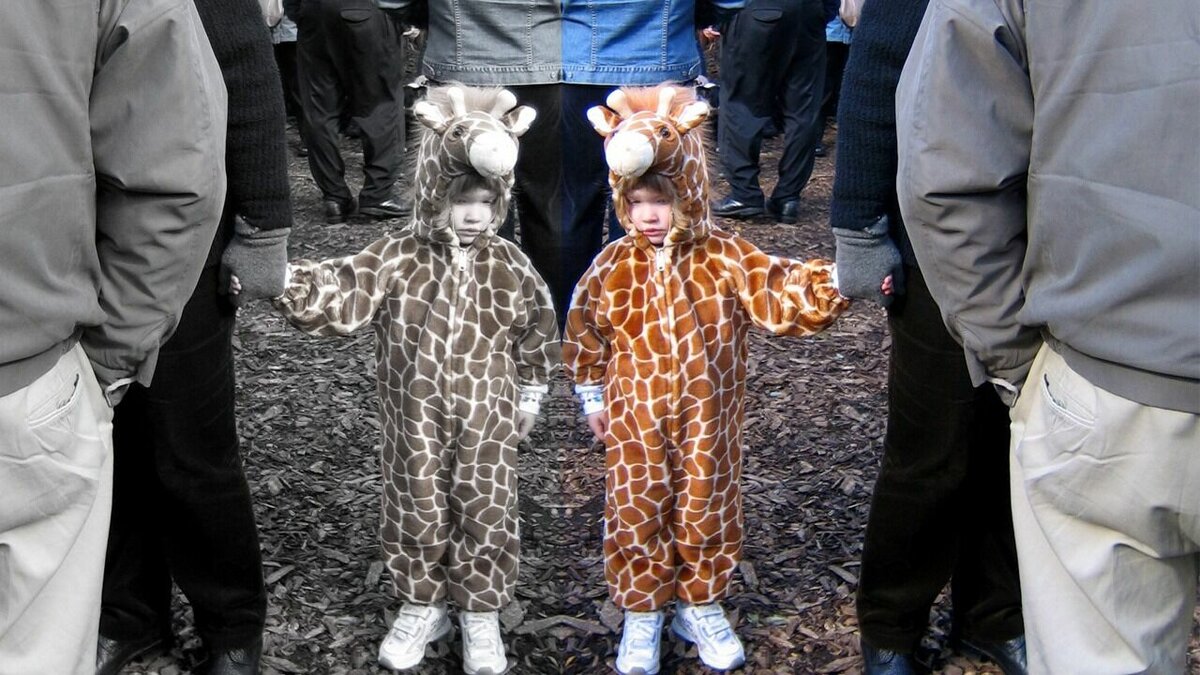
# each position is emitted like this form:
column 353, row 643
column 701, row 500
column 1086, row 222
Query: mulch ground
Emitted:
column 813, row 432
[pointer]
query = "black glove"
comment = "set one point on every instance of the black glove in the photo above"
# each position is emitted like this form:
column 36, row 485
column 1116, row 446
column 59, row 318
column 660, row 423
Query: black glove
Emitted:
column 864, row 258
column 259, row 260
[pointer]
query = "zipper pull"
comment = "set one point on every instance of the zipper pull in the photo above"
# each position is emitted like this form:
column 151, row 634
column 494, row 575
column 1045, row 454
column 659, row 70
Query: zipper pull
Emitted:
column 660, row 259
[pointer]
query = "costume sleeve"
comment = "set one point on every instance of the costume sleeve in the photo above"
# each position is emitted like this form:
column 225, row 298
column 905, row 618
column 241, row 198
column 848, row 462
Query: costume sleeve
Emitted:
column 786, row 297
column 537, row 349
column 158, row 142
column 339, row 296
column 964, row 121
column 586, row 348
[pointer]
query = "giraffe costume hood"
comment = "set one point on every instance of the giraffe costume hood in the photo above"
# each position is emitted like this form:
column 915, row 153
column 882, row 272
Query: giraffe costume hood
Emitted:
column 465, row 337
column 657, row 337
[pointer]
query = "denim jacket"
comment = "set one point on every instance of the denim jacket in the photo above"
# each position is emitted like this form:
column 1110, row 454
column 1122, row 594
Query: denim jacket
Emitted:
column 607, row 42
column 632, row 42
column 494, row 42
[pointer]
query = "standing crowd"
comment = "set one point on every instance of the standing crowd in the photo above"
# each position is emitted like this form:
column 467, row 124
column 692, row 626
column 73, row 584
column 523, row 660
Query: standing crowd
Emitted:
column 1015, row 184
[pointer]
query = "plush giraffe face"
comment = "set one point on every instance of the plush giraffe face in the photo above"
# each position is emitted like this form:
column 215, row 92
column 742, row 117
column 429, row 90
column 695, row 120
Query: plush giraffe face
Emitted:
column 654, row 130
column 638, row 141
column 476, row 140
column 466, row 131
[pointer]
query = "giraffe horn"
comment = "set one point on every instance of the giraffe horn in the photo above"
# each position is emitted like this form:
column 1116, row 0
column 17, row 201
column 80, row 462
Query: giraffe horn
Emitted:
column 505, row 101
column 665, row 96
column 458, row 103
column 619, row 103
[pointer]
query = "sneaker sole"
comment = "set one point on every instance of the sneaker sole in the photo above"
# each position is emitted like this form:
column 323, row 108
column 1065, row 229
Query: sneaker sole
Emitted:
column 486, row 671
column 439, row 635
column 681, row 631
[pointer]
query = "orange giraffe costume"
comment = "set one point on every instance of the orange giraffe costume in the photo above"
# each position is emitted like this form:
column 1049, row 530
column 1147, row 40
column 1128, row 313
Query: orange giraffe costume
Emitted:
column 663, row 331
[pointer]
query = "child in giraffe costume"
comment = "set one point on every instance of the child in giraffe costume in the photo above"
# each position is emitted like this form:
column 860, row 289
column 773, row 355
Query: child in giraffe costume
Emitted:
column 656, row 343
column 466, row 341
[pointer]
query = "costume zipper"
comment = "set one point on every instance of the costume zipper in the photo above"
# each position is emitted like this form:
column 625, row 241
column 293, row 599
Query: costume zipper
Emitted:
column 461, row 259
column 662, row 258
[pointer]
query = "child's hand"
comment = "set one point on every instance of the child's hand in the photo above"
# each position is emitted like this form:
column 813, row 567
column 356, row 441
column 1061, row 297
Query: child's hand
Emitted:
column 235, row 285
column 886, row 286
column 598, row 423
column 525, row 422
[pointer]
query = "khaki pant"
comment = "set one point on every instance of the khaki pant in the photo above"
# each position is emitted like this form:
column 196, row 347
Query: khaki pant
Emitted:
column 1106, row 509
column 55, row 494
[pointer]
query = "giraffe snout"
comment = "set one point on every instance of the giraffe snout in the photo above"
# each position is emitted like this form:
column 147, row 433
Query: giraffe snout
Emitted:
column 629, row 155
column 493, row 154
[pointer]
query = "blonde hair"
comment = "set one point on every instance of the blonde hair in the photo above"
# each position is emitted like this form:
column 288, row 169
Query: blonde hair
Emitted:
column 654, row 182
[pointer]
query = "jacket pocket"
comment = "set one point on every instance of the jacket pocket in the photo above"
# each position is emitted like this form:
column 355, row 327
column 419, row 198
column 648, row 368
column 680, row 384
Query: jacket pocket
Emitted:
column 766, row 15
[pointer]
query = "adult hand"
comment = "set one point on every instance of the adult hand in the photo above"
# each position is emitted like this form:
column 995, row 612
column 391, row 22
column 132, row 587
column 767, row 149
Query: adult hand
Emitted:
column 865, row 258
column 525, row 422
column 598, row 423
column 258, row 258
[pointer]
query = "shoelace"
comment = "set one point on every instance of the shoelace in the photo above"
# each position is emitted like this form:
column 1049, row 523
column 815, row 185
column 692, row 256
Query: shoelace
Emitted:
column 642, row 630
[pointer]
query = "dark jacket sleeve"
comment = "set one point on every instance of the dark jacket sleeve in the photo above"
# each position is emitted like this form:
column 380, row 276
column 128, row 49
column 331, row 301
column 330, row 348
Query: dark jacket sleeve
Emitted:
column 864, row 186
column 256, row 150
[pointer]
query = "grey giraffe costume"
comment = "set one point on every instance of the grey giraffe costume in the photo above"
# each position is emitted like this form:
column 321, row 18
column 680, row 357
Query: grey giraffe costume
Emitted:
column 465, row 335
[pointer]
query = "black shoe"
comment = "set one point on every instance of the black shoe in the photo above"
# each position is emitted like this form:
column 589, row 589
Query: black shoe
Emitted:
column 337, row 210
column 820, row 150
column 236, row 661
column 113, row 655
column 388, row 208
column 785, row 211
column 1009, row 655
column 302, row 149
column 732, row 208
column 887, row 662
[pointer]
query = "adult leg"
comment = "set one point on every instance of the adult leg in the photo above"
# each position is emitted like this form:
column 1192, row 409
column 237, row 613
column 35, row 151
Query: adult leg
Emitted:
column 55, row 494
column 211, row 539
column 1107, row 523
column 752, row 49
column 917, row 508
column 370, row 58
column 801, row 88
column 985, row 586
column 321, row 97
column 585, row 188
column 137, row 580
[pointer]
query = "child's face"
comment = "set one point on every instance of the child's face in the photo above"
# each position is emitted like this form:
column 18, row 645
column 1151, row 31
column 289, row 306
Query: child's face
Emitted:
column 471, row 213
column 650, row 214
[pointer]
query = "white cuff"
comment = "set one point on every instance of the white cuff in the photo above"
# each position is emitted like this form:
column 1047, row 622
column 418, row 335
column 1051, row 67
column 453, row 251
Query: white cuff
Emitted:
column 530, row 397
column 591, row 397
column 114, row 392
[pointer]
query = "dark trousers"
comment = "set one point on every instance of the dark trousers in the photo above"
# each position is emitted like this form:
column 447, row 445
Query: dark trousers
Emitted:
column 285, row 59
column 773, row 50
column 351, row 57
column 181, row 505
column 836, row 54
column 940, row 511
column 562, row 186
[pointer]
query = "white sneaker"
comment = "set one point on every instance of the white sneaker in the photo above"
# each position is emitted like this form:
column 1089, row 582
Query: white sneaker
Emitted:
column 706, row 625
column 415, row 626
column 641, row 639
column 483, row 649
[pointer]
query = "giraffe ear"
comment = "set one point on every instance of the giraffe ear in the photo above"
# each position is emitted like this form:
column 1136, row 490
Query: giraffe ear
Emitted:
column 520, row 119
column 603, row 120
column 430, row 115
column 691, row 116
